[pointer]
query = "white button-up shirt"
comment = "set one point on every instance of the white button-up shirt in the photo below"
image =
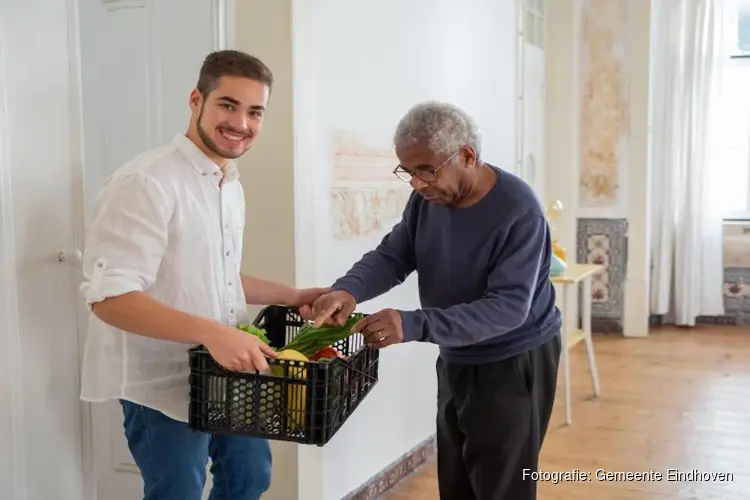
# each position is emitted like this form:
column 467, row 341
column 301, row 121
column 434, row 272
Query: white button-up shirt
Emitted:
column 164, row 224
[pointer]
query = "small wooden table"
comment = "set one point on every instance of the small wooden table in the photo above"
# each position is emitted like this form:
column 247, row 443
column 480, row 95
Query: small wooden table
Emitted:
column 574, row 275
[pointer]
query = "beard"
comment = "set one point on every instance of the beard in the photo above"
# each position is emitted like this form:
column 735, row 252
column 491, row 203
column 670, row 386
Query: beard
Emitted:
column 211, row 144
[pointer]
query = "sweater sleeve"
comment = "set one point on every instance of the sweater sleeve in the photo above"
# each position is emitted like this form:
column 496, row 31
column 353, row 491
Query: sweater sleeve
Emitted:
column 388, row 265
column 511, row 284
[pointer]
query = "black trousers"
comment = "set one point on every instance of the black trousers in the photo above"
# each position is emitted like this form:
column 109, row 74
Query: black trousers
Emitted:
column 491, row 422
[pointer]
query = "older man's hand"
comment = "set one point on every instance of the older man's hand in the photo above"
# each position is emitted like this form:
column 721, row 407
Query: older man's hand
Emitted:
column 333, row 308
column 381, row 329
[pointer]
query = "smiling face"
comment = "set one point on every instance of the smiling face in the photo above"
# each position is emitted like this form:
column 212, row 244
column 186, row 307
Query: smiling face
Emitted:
column 226, row 121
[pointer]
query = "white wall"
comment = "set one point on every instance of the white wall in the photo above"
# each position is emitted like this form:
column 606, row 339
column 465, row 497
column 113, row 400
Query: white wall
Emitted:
column 366, row 63
column 358, row 67
column 562, row 152
column 41, row 453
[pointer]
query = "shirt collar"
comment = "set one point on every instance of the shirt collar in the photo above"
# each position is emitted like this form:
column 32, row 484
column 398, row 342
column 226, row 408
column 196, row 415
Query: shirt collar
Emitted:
column 202, row 163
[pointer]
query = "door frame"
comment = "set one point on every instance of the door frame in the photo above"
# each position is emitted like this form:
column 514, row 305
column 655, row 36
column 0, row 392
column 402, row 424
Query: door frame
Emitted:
column 12, row 471
column 224, row 37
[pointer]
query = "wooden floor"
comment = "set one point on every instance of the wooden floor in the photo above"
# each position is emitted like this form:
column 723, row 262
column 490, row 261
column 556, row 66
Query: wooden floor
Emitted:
column 678, row 399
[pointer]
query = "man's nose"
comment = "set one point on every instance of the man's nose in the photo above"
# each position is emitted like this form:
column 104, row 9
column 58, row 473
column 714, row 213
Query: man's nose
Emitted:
column 417, row 183
column 240, row 122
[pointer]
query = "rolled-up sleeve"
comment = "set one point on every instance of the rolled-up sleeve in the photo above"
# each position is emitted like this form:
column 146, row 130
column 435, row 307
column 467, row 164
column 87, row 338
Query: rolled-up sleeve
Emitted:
column 127, row 238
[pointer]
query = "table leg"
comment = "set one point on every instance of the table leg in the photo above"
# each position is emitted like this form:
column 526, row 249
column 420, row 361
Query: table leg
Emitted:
column 566, row 353
column 587, row 330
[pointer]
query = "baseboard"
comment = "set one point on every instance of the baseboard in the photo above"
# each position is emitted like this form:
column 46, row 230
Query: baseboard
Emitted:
column 606, row 325
column 394, row 472
column 734, row 318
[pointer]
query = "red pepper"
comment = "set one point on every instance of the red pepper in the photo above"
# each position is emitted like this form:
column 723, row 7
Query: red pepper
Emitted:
column 325, row 353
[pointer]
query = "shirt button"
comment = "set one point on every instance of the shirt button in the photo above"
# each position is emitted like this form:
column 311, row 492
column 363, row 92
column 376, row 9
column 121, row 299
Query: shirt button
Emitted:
column 204, row 174
column 229, row 284
column 231, row 311
column 227, row 254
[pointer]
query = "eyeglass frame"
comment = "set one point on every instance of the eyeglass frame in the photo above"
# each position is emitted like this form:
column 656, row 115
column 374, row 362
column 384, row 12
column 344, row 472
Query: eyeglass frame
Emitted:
column 433, row 170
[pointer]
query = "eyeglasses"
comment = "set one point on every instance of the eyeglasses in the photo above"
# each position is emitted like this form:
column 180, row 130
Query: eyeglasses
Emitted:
column 424, row 173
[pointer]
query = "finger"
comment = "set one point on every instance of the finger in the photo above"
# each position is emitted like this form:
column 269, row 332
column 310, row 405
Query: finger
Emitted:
column 360, row 325
column 375, row 342
column 378, row 328
column 321, row 304
column 232, row 365
column 326, row 314
column 259, row 361
column 387, row 340
column 268, row 351
column 378, row 337
column 305, row 312
column 245, row 362
column 343, row 314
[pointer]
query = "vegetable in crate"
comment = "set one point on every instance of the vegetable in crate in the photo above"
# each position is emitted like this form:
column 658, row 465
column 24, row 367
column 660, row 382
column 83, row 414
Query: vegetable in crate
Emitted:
column 326, row 353
column 310, row 340
column 254, row 330
column 296, row 393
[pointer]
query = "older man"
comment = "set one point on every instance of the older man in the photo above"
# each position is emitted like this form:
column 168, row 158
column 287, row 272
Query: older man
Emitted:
column 479, row 241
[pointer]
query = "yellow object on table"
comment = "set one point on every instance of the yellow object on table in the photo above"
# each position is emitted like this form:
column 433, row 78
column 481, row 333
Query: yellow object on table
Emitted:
column 558, row 250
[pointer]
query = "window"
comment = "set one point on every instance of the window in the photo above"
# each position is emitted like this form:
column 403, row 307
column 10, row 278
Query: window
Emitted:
column 734, row 135
column 533, row 24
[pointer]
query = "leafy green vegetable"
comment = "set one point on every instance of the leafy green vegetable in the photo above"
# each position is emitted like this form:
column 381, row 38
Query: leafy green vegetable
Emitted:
column 310, row 340
column 254, row 330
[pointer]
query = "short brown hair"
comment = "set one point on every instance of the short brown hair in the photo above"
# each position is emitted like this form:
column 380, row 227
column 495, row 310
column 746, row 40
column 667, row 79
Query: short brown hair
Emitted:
column 231, row 63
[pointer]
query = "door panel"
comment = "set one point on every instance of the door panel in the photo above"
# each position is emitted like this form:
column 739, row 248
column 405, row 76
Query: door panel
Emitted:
column 40, row 414
column 139, row 62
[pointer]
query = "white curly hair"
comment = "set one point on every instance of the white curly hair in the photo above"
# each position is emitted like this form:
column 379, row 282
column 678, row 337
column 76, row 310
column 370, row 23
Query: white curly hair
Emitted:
column 443, row 126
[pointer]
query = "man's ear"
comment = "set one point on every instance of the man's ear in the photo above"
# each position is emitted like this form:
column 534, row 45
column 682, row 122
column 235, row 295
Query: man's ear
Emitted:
column 470, row 156
column 195, row 100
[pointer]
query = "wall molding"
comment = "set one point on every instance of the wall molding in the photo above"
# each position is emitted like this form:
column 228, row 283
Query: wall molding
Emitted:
column 12, row 468
column 224, row 23
column 77, row 162
column 396, row 471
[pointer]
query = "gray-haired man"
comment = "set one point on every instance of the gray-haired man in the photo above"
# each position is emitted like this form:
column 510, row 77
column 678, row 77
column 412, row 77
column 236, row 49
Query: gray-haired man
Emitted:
column 479, row 241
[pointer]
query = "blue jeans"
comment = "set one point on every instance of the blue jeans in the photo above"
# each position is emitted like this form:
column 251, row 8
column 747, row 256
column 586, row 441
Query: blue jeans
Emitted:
column 173, row 459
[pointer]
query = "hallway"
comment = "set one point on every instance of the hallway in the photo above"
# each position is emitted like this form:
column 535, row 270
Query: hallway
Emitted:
column 677, row 399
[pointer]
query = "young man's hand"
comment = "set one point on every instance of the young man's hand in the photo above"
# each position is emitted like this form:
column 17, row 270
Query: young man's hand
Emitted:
column 237, row 350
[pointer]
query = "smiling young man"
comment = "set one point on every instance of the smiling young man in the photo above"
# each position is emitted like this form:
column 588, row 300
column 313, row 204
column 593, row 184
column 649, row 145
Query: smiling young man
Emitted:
column 162, row 274
column 477, row 237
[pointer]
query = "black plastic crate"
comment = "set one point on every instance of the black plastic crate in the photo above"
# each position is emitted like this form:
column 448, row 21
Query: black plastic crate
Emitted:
column 303, row 402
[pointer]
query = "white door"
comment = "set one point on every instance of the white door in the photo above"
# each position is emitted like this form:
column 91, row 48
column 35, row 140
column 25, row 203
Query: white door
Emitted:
column 41, row 452
column 139, row 62
column 532, row 79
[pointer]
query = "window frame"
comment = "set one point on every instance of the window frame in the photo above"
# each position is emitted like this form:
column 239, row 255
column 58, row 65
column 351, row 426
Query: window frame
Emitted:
column 740, row 57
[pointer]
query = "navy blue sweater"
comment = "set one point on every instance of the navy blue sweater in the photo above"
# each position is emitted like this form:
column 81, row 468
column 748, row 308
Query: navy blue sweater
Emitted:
column 483, row 273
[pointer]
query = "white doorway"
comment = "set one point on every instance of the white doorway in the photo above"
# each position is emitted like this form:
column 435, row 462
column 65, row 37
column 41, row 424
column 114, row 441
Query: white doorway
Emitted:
column 41, row 445
column 139, row 62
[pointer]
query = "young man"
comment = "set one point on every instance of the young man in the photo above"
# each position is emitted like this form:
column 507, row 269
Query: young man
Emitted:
column 162, row 274
column 479, row 241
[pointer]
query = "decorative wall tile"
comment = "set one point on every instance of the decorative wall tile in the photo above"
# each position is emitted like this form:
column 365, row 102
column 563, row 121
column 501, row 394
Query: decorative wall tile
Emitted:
column 736, row 298
column 603, row 241
column 366, row 196
column 604, row 130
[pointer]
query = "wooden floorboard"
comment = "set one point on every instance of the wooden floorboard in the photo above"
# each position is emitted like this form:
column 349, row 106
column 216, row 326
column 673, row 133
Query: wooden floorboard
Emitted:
column 678, row 399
